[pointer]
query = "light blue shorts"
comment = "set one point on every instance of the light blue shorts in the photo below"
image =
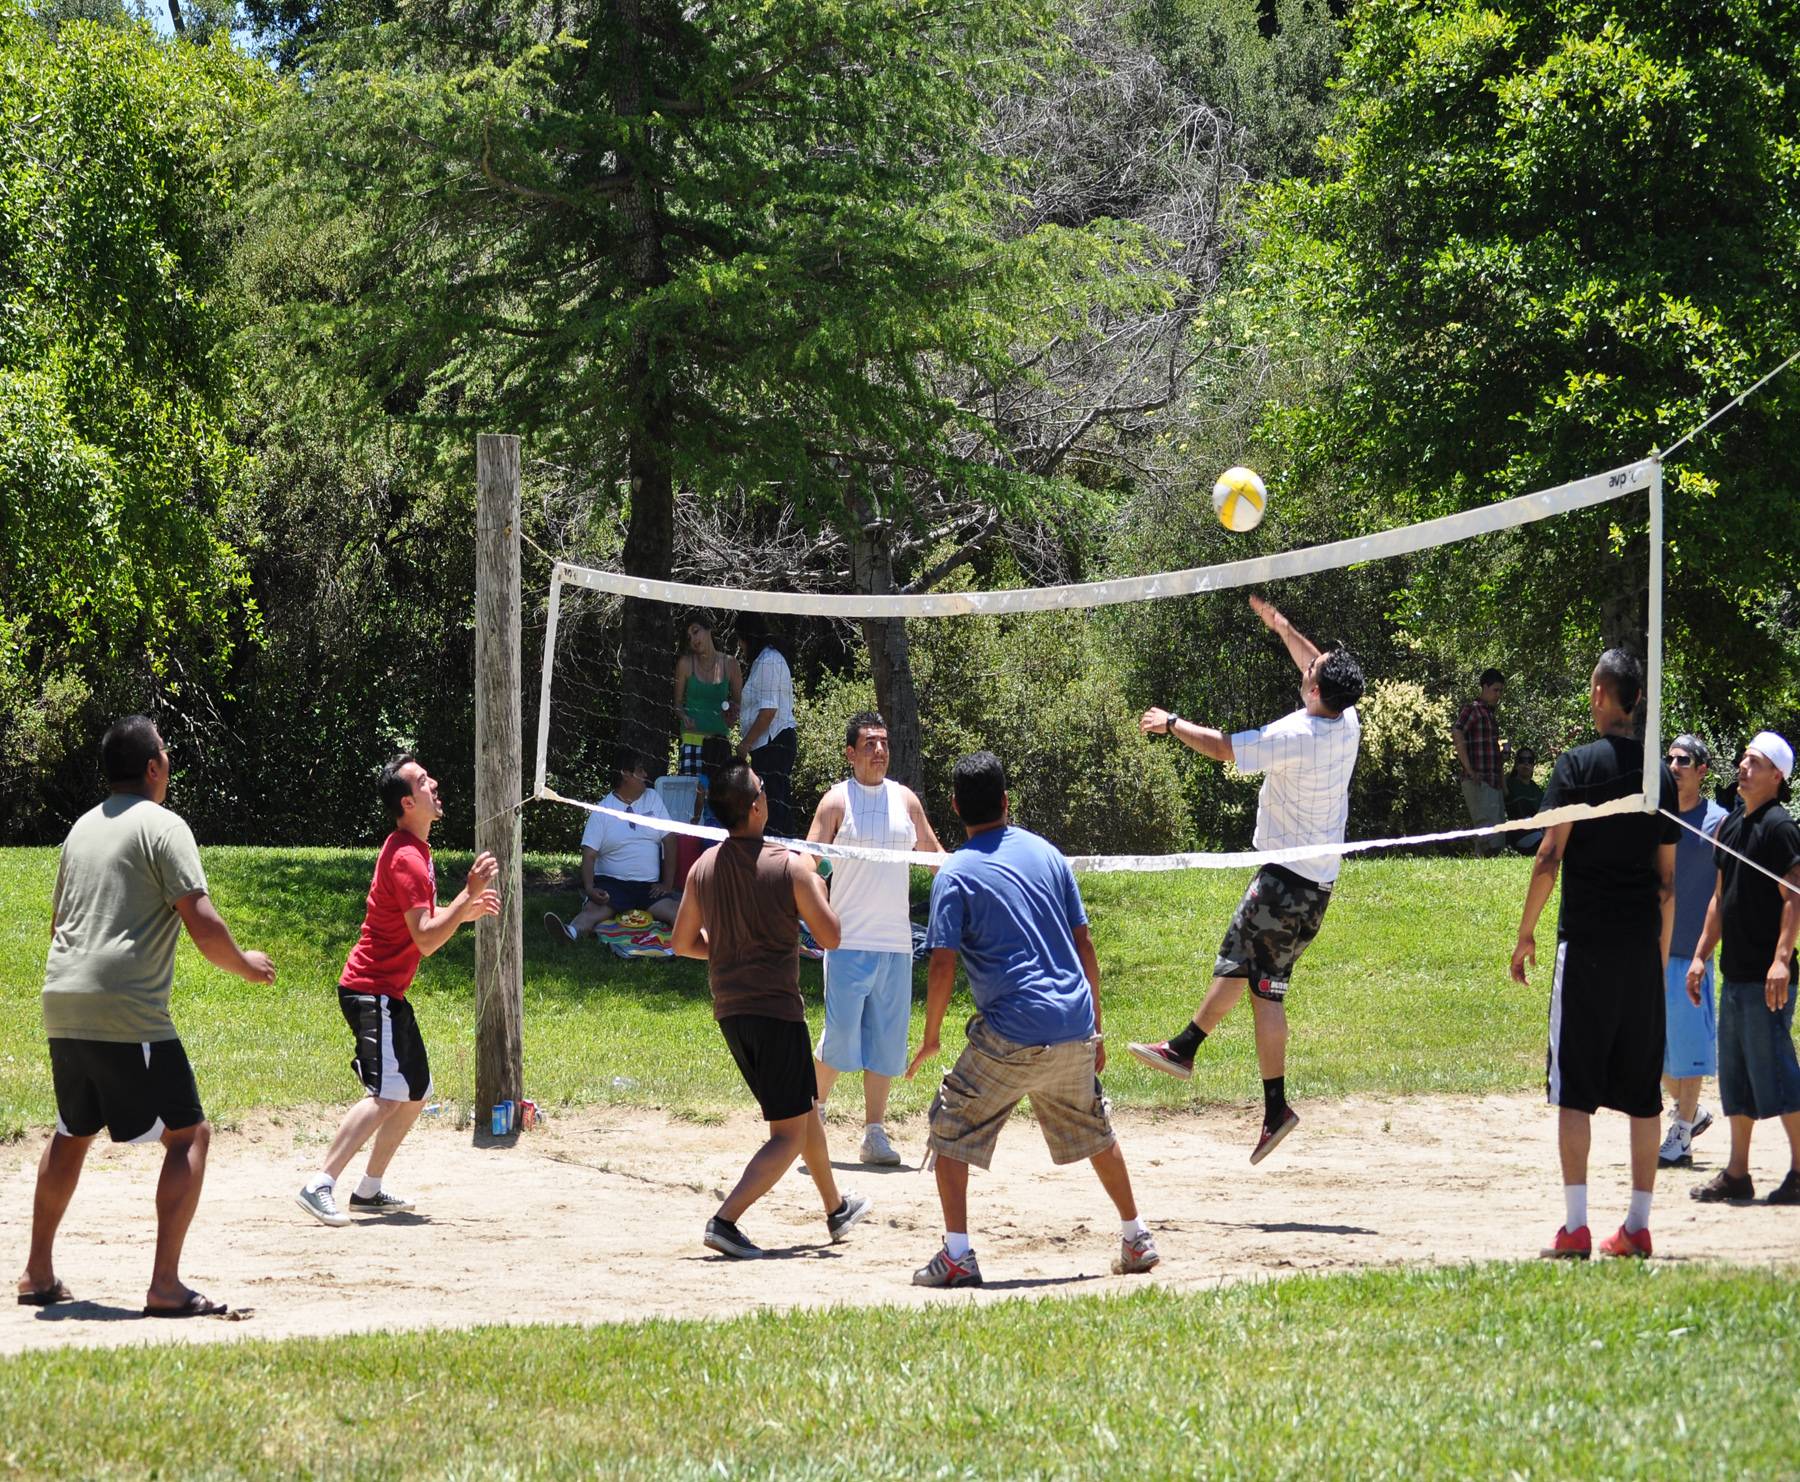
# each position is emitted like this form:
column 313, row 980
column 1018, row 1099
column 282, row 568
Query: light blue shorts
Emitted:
column 1691, row 1045
column 868, row 1008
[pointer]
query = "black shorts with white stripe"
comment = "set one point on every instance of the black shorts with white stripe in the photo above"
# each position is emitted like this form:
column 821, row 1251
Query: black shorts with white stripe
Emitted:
column 135, row 1091
column 1606, row 1026
column 390, row 1057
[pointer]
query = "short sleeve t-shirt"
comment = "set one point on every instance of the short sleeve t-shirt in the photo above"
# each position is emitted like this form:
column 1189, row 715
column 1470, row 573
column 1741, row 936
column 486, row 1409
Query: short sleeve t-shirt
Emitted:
column 112, row 950
column 1008, row 902
column 1305, row 799
column 626, row 850
column 1610, row 882
column 385, row 956
column 769, row 686
column 1695, row 875
column 1750, row 902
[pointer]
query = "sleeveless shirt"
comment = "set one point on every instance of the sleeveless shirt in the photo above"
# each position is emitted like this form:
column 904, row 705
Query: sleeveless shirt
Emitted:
column 870, row 899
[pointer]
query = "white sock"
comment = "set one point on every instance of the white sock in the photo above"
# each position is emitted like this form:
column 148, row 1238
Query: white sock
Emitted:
column 1574, row 1207
column 956, row 1242
column 1639, row 1218
column 869, row 1127
column 1686, row 1129
column 319, row 1181
column 1129, row 1229
column 368, row 1188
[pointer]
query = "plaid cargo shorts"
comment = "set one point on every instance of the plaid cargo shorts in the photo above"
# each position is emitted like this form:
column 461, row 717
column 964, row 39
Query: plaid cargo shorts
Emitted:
column 1276, row 920
column 993, row 1074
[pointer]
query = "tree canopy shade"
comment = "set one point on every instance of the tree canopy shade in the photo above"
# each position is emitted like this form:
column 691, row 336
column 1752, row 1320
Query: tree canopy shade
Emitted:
column 694, row 246
column 1550, row 238
column 115, row 391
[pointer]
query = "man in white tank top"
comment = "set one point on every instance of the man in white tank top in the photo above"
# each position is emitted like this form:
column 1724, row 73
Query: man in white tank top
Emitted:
column 868, row 976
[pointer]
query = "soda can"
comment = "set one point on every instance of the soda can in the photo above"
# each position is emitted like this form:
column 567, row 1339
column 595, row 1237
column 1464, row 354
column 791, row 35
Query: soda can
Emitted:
column 528, row 1114
column 512, row 1116
column 502, row 1118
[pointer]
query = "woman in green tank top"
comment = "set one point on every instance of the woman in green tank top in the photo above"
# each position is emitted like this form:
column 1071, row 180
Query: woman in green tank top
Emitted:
column 708, row 688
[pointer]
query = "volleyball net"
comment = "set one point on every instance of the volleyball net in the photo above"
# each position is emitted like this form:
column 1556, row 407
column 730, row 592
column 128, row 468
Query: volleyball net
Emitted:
column 599, row 687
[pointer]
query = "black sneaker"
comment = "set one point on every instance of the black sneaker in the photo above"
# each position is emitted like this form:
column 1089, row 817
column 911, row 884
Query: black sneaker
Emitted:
column 728, row 1240
column 1788, row 1190
column 380, row 1202
column 1725, row 1188
column 1273, row 1132
column 839, row 1221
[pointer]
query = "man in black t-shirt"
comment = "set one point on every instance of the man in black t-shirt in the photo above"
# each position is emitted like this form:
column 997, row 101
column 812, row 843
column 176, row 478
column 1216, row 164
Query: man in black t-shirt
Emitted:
column 1612, row 946
column 1755, row 919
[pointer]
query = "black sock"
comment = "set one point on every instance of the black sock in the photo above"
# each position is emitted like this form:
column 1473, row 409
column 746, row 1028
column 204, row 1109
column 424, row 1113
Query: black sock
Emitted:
column 1274, row 1100
column 843, row 1204
column 1187, row 1042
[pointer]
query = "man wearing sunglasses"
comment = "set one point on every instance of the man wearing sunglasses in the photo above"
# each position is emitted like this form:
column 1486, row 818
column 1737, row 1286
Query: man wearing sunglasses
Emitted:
column 625, row 865
column 1690, row 1045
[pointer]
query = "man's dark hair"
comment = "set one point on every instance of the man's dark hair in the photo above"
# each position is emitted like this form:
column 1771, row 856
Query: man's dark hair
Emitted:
column 733, row 795
column 392, row 788
column 1621, row 676
column 1340, row 679
column 1490, row 676
column 625, row 760
column 1694, row 747
column 978, row 783
column 757, row 634
column 130, row 744
column 861, row 721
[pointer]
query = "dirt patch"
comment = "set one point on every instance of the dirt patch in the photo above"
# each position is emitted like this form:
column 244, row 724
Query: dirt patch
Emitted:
column 596, row 1216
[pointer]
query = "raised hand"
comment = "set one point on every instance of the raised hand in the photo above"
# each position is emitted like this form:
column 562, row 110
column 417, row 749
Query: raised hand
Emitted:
column 482, row 872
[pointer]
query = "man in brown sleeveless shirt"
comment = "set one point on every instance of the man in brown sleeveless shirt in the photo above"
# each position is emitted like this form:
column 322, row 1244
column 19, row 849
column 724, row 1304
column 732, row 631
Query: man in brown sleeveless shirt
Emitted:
column 739, row 915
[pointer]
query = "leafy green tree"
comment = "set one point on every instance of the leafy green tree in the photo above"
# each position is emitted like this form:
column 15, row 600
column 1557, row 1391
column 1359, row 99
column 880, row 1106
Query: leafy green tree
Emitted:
column 115, row 392
column 1551, row 238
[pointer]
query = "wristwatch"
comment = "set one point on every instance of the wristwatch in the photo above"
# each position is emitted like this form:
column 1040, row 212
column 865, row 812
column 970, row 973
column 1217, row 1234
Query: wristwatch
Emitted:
column 1169, row 726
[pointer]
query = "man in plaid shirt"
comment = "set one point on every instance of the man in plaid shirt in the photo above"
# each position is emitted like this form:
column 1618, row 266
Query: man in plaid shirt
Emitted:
column 1477, row 737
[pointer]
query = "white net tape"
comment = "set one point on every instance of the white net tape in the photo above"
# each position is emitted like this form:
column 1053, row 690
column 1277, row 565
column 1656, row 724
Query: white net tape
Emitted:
column 1644, row 476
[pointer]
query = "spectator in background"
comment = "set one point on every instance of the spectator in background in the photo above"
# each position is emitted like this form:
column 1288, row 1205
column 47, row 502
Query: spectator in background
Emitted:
column 1524, row 798
column 625, row 865
column 708, row 689
column 1477, row 737
column 768, row 738
column 1690, row 1045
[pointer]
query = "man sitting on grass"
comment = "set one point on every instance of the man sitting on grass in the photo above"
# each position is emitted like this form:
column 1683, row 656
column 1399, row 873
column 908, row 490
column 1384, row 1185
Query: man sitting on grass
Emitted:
column 739, row 916
column 402, row 925
column 129, row 879
column 1007, row 904
column 625, row 865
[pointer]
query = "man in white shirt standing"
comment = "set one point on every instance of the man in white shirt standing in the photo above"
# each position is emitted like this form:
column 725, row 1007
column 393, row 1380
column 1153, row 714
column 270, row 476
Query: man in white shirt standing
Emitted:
column 1306, row 759
column 868, row 976
column 625, row 866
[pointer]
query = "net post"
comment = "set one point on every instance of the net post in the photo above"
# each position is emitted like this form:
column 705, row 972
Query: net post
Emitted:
column 499, row 765
column 1653, row 647
column 540, row 773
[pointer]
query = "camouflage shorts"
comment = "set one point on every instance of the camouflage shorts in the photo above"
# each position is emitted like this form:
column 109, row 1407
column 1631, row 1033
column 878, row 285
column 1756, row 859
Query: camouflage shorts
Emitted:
column 1278, row 917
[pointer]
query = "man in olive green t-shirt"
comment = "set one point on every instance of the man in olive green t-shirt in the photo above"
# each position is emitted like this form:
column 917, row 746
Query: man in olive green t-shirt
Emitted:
column 128, row 880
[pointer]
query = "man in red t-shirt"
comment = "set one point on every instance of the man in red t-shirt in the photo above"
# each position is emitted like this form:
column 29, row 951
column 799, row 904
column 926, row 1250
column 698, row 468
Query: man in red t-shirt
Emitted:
column 403, row 924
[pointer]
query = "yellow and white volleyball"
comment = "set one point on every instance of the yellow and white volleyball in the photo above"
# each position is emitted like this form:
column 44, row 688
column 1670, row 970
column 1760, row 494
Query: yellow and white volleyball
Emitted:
column 1239, row 499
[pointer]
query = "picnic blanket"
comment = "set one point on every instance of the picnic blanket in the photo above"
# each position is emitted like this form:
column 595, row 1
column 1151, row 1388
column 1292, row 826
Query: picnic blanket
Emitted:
column 637, row 935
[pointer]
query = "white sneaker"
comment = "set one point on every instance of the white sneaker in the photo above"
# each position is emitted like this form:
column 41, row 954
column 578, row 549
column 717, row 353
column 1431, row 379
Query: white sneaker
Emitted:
column 321, row 1204
column 1702, row 1120
column 877, row 1149
column 1677, row 1150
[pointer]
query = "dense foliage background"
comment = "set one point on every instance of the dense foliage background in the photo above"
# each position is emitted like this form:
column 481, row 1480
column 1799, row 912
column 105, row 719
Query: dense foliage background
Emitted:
column 870, row 295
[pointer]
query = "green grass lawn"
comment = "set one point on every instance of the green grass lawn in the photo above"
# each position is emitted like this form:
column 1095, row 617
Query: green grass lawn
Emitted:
column 1524, row 1371
column 1404, row 991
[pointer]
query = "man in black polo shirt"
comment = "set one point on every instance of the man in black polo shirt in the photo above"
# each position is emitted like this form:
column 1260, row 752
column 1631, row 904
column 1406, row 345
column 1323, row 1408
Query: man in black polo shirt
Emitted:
column 1755, row 919
column 1612, row 946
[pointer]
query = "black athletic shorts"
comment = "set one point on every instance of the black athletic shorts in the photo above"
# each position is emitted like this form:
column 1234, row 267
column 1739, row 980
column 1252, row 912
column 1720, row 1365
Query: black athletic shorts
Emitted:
column 1606, row 1026
column 136, row 1091
column 390, row 1057
column 776, row 1060
column 1275, row 922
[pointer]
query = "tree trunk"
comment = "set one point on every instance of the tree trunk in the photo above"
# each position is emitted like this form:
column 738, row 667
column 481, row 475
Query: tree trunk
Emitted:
column 1625, row 606
column 890, row 655
column 647, row 650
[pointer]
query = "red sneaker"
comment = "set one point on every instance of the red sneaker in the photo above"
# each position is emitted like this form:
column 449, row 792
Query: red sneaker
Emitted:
column 1569, row 1245
column 1627, row 1244
column 1162, row 1058
column 1272, row 1135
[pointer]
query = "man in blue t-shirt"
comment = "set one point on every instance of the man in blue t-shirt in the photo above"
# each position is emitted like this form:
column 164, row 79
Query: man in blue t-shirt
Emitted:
column 1007, row 904
column 1690, row 1045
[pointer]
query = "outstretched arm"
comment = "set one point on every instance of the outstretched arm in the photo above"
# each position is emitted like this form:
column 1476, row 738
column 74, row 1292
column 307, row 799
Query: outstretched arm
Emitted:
column 1301, row 649
column 1204, row 739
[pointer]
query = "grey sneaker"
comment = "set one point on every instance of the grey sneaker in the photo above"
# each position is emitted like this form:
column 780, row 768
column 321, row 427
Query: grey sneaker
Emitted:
column 321, row 1204
column 943, row 1271
column 876, row 1149
column 380, row 1202
column 728, row 1240
column 845, row 1215
column 1136, row 1254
